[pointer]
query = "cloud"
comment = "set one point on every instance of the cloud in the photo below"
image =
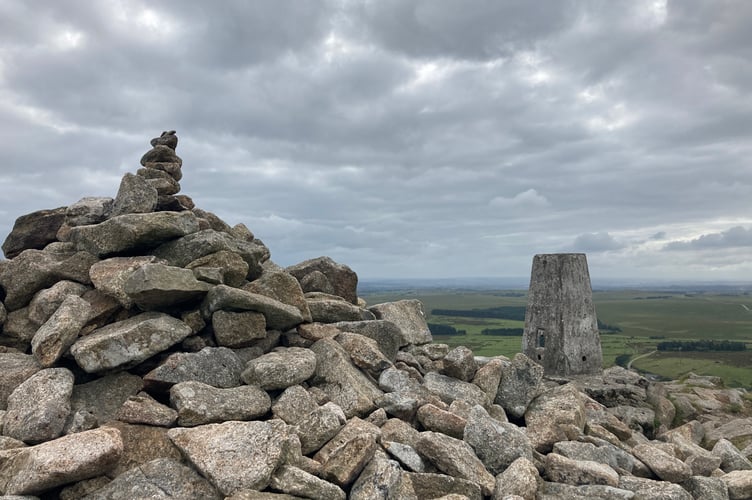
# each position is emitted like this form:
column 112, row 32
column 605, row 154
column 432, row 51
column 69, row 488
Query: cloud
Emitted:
column 735, row 237
column 530, row 198
column 596, row 242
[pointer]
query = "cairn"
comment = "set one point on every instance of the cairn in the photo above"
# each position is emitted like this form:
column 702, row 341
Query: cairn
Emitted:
column 149, row 350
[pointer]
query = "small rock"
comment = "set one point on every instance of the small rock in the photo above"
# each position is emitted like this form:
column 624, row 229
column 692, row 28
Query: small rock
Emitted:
column 157, row 286
column 343, row 279
column 456, row 458
column 459, row 363
column 662, row 464
column 238, row 329
column 409, row 317
column 15, row 368
column 199, row 403
column 429, row 485
column 294, row 481
column 519, row 478
column 215, row 366
column 355, row 427
column 293, row 404
column 348, row 460
column 59, row 333
column 33, row 231
column 449, row 389
column 364, row 352
column 143, row 409
column 520, row 384
column 318, row 427
column 281, row 368
column 438, row 420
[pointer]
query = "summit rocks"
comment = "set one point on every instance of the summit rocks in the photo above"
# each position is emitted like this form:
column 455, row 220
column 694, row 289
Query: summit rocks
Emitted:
column 150, row 350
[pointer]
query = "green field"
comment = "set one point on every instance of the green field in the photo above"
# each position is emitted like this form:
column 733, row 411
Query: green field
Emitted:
column 645, row 318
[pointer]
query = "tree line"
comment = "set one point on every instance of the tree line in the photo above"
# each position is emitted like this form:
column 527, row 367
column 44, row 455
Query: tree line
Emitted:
column 701, row 345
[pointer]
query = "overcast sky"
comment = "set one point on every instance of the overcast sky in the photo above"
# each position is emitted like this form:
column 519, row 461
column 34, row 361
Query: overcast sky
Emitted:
column 404, row 138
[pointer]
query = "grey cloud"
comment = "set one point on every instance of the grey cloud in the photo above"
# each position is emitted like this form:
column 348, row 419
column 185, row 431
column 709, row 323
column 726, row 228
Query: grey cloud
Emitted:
column 737, row 236
column 596, row 242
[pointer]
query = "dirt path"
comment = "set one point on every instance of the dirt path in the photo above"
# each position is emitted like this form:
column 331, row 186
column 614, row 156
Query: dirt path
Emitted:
column 629, row 365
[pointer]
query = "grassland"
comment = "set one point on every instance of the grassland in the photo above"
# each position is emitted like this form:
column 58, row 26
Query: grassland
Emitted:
column 645, row 318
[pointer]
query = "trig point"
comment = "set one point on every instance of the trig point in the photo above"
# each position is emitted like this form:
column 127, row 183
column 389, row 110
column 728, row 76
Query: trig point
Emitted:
column 561, row 329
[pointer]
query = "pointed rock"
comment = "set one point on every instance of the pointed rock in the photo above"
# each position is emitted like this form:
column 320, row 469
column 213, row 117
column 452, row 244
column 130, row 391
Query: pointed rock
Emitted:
column 135, row 196
column 33, row 231
column 342, row 279
column 409, row 317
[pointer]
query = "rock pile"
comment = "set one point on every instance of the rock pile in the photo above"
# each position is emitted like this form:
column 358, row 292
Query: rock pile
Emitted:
column 150, row 350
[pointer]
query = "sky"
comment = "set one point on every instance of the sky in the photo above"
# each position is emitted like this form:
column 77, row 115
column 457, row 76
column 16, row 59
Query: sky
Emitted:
column 404, row 138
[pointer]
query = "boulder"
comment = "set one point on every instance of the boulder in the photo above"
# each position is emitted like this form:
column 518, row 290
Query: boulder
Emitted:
column 33, row 231
column 561, row 469
column 342, row 279
column 59, row 333
column 409, row 317
column 556, row 415
column 294, row 481
column 126, row 343
column 456, row 458
column 39, row 407
column 520, row 384
column 386, row 334
column 215, row 366
column 32, row 470
column 135, row 196
column 279, row 316
column 379, row 480
column 739, row 484
column 144, row 409
column 450, row 389
column 281, row 368
column 238, row 329
column 283, row 287
column 110, row 275
column 460, row 363
column 488, row 377
column 45, row 302
column 15, row 368
column 233, row 268
column 665, row 466
column 497, row 444
column 199, row 403
column 157, row 286
column 519, row 478
column 234, row 455
column 293, row 405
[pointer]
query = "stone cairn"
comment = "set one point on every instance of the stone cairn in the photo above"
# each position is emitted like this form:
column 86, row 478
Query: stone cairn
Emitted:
column 149, row 350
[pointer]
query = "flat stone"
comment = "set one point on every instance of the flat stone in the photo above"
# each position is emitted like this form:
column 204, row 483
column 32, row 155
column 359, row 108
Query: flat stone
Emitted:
column 133, row 232
column 333, row 311
column 386, row 334
column 33, row 231
column 144, row 409
column 215, row 366
column 603, row 453
column 294, row 481
column 33, row 470
column 450, row 389
column 556, row 491
column 456, row 458
column 110, row 275
column 46, row 302
column 59, row 333
column 39, row 407
column 233, row 268
column 155, row 480
column 233, row 455
column 88, row 210
column 238, row 329
column 281, row 368
column 126, row 343
column 561, row 469
column 409, row 317
column 279, row 316
column 199, row 403
column 283, row 287
column 156, row 286
column 15, row 368
column 355, row 427
column 438, row 420
column 497, row 444
column 364, row 352
column 164, row 183
column 665, row 466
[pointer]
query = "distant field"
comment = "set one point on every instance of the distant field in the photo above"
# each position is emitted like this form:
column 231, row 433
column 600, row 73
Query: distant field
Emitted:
column 645, row 318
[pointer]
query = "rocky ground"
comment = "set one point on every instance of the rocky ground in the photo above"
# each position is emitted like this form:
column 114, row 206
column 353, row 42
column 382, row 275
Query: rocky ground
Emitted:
column 149, row 350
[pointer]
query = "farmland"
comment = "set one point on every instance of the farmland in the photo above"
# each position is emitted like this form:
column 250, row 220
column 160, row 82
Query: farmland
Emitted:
column 645, row 318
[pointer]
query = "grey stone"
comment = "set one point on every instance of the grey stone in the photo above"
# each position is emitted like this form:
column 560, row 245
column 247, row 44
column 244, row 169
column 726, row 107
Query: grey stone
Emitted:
column 562, row 491
column 215, row 366
column 133, row 232
column 400, row 431
column 399, row 404
column 409, row 317
column 386, row 334
column 341, row 381
column 379, row 480
column 738, row 431
column 135, row 196
column 166, row 138
column 488, row 378
column 127, row 343
column 703, row 465
column 561, row 331
column 318, row 427
column 335, row 310
column 665, row 466
column 429, row 485
column 435, row 419
column 519, row 478
column 295, row 481
column 199, row 403
column 347, row 461
column 497, row 444
column 161, row 181
column 15, row 368
column 364, row 352
column 46, row 301
column 161, row 478
column 102, row 397
column 238, row 329
column 35, row 469
column 185, row 250
column 141, row 444
column 739, row 484
column 555, row 416
column 456, row 458
column 279, row 316
column 7, row 443
column 33, row 231
column 39, row 407
column 406, row 455
column 155, row 286
column 233, row 268
column 34, row 270
column 293, row 404
column 459, row 363
column 317, row 282
column 79, row 490
column 281, row 368
column 520, row 384
column 449, row 389
column 343, row 280
column 88, row 210
column 394, row 380
column 731, row 457
column 163, row 151
column 110, row 275
column 144, row 409
column 706, row 487
column 604, row 453
column 640, row 418
column 18, row 329
column 283, row 287
column 355, row 427
column 648, row 488
column 561, row 469
column 233, row 455
column 56, row 336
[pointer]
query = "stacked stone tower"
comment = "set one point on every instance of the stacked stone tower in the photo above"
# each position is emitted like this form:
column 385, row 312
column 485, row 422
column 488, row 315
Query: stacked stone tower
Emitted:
column 561, row 328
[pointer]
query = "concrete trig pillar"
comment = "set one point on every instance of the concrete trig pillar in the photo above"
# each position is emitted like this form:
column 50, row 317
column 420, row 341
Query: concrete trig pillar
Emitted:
column 561, row 328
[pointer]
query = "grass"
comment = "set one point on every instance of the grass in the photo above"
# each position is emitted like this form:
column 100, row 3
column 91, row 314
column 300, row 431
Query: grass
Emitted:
column 645, row 317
